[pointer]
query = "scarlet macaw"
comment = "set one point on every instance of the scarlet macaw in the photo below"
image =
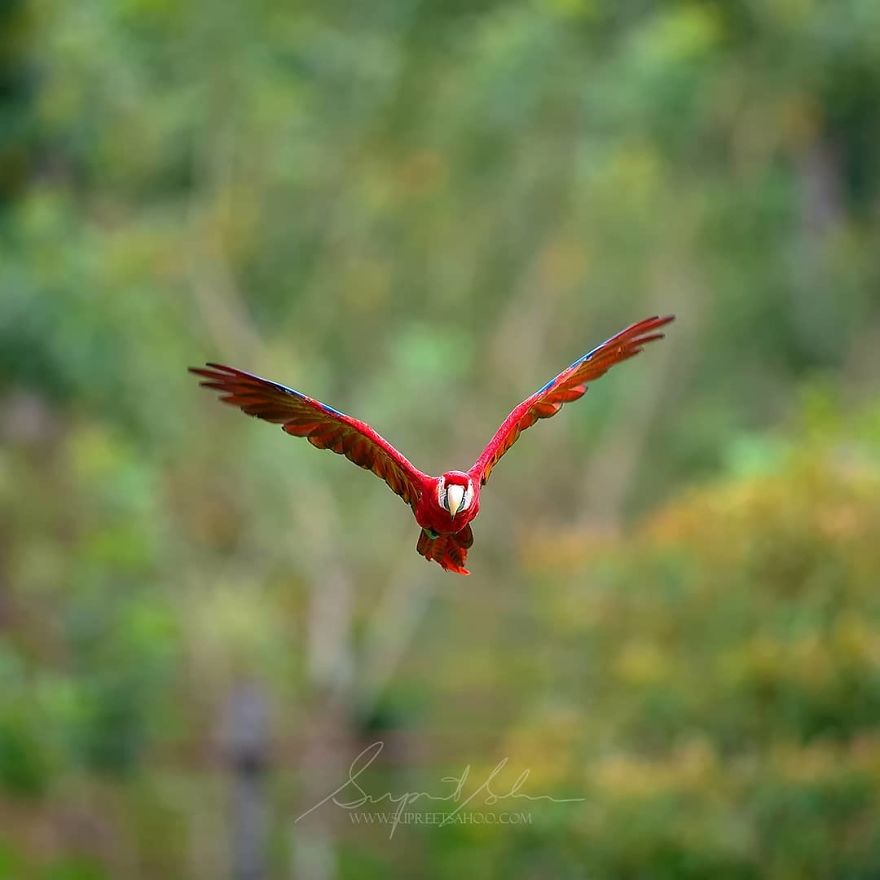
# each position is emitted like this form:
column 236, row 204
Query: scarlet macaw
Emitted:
column 443, row 506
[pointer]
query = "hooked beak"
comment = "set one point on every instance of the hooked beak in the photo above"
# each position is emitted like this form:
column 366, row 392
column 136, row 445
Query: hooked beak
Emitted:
column 454, row 496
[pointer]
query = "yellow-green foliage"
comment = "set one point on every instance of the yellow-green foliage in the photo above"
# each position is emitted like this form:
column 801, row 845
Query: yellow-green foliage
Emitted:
column 727, row 712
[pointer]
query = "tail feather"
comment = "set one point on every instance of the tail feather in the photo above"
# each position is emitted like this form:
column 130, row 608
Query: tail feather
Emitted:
column 449, row 551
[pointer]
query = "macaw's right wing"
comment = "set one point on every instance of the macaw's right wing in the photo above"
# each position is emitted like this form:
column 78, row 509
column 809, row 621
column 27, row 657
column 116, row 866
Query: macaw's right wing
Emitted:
column 569, row 385
column 323, row 426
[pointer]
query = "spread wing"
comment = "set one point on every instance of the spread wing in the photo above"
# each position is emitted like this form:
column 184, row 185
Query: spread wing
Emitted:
column 569, row 385
column 323, row 426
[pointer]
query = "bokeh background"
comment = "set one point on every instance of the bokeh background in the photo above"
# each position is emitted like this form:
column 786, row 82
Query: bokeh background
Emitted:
column 418, row 211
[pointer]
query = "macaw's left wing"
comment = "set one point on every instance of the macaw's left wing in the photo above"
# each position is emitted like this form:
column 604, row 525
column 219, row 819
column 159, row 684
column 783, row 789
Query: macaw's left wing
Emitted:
column 323, row 426
column 569, row 385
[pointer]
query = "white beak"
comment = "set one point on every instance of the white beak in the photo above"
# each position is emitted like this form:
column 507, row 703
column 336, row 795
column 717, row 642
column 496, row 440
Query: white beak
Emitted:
column 454, row 495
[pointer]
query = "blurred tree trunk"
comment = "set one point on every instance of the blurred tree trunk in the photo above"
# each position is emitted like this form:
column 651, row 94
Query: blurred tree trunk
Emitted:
column 247, row 748
column 325, row 755
column 821, row 213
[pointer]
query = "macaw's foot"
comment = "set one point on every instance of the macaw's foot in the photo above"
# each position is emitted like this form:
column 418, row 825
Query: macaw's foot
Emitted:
column 449, row 551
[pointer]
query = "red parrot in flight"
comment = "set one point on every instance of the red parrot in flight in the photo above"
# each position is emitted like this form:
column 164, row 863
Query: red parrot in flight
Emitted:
column 444, row 506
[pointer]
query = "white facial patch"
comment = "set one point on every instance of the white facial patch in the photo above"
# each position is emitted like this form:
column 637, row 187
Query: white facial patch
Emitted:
column 468, row 496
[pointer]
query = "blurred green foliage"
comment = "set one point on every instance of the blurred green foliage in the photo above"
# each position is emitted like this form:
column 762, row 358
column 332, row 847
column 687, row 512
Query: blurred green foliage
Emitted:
column 728, row 654
column 419, row 212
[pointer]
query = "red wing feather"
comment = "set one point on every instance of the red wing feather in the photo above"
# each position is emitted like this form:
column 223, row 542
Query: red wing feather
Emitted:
column 569, row 385
column 323, row 426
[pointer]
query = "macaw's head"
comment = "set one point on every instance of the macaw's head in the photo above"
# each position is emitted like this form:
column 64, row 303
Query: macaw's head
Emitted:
column 455, row 492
